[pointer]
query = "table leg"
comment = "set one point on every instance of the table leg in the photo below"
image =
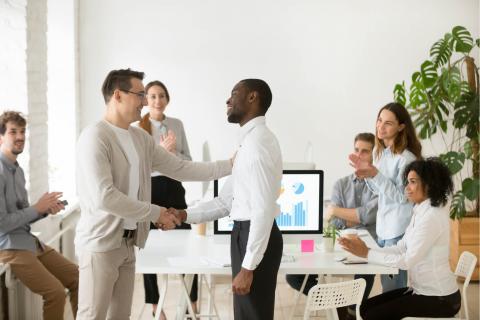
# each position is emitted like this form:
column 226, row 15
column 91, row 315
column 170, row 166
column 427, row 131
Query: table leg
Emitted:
column 297, row 297
column 211, row 292
column 163, row 294
column 185, row 303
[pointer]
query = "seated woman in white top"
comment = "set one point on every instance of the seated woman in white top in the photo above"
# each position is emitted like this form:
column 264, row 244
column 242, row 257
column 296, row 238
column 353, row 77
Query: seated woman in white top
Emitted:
column 423, row 251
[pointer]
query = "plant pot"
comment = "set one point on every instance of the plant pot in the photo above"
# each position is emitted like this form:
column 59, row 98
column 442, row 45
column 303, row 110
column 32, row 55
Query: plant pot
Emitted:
column 464, row 236
column 328, row 244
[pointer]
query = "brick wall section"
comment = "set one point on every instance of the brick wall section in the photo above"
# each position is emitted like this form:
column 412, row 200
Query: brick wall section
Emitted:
column 36, row 67
column 13, row 89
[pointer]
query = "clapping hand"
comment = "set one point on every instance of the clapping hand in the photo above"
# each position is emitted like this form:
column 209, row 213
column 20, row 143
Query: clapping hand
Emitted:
column 167, row 220
column 169, row 141
column 49, row 203
column 363, row 168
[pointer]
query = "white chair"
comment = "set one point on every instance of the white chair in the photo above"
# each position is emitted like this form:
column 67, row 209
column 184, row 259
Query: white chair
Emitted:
column 330, row 296
column 465, row 266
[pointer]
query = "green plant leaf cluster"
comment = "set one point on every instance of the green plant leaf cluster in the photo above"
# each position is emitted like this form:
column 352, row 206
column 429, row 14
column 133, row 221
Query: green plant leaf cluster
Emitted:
column 331, row 231
column 443, row 97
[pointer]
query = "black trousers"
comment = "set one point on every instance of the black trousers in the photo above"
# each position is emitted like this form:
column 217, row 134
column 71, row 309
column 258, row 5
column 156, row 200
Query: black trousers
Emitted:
column 401, row 303
column 259, row 304
column 167, row 193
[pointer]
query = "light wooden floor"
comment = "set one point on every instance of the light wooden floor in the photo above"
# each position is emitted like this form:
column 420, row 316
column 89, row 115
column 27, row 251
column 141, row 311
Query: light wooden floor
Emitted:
column 223, row 299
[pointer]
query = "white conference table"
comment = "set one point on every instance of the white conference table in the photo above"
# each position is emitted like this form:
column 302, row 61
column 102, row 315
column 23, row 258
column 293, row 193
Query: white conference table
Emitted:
column 184, row 252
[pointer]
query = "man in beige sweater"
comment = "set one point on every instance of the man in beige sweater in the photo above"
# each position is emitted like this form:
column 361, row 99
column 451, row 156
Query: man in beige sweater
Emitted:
column 114, row 163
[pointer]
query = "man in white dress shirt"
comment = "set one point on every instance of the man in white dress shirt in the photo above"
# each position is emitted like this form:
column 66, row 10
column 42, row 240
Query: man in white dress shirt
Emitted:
column 249, row 196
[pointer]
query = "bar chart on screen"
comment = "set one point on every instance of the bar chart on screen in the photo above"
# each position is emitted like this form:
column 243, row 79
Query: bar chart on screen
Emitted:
column 297, row 217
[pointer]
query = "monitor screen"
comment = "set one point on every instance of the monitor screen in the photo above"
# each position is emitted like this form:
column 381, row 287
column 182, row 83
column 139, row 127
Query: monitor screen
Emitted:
column 300, row 201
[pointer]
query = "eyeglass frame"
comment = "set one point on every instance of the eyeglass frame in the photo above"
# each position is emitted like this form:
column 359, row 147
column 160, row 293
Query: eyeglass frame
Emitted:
column 141, row 95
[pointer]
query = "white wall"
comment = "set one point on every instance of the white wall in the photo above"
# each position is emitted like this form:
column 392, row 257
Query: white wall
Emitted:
column 62, row 111
column 331, row 64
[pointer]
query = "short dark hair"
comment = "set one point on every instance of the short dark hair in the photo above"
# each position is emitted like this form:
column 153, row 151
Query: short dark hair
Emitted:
column 11, row 116
column 436, row 179
column 119, row 79
column 160, row 84
column 367, row 137
column 263, row 90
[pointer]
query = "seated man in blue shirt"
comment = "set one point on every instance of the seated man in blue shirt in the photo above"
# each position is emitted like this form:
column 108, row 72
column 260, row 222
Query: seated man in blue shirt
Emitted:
column 40, row 268
column 353, row 206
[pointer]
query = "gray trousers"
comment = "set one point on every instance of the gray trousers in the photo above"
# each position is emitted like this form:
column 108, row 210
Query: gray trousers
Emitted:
column 106, row 283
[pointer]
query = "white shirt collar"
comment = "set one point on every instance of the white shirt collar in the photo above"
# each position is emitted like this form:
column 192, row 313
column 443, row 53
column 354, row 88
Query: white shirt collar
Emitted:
column 157, row 123
column 422, row 206
column 247, row 127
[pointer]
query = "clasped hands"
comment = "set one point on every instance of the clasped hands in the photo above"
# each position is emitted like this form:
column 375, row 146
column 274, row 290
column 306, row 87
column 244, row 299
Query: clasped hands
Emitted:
column 170, row 218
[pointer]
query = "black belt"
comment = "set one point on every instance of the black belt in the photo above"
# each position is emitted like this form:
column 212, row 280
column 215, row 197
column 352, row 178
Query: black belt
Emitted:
column 128, row 233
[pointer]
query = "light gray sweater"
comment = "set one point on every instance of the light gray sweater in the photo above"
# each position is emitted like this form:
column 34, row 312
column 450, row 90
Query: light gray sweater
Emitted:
column 102, row 185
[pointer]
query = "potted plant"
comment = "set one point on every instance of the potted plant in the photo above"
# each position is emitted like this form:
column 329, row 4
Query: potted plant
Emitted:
column 443, row 99
column 330, row 234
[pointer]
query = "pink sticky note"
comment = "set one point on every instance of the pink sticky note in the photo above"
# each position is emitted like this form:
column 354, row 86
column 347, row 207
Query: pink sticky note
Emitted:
column 307, row 245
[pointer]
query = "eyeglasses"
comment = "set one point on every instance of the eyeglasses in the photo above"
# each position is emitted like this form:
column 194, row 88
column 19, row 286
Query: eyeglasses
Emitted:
column 141, row 95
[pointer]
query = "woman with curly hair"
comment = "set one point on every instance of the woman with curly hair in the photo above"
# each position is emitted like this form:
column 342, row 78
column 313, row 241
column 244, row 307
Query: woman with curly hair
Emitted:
column 423, row 251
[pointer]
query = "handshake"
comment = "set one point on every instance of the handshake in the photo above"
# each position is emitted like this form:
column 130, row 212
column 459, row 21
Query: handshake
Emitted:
column 170, row 218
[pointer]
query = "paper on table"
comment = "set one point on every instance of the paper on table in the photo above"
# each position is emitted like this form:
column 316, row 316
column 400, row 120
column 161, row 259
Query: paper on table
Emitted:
column 186, row 261
column 222, row 261
column 351, row 259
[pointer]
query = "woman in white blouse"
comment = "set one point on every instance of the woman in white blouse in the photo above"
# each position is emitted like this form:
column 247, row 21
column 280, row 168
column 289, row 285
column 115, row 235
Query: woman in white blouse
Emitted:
column 166, row 192
column 423, row 251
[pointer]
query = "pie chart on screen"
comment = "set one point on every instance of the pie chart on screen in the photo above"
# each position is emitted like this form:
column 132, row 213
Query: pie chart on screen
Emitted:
column 298, row 188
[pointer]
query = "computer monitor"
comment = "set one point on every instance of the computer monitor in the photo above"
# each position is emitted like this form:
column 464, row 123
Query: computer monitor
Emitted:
column 300, row 200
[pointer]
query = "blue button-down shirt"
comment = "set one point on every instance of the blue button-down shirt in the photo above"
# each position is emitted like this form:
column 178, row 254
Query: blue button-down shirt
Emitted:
column 394, row 210
column 15, row 212
column 352, row 192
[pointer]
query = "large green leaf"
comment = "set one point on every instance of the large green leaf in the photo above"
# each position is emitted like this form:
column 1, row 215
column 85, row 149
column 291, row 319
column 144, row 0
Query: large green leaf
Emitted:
column 417, row 91
column 462, row 40
column 429, row 74
column 467, row 148
column 467, row 114
column 457, row 207
column 453, row 160
column 441, row 51
column 444, row 108
column 478, row 42
column 399, row 93
column 451, row 81
column 470, row 188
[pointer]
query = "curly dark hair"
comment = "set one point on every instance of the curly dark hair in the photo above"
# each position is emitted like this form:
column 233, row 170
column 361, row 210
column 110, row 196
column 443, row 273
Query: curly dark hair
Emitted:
column 436, row 179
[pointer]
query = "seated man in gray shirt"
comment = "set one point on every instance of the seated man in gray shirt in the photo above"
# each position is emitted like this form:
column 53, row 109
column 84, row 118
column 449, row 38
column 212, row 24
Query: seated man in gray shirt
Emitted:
column 39, row 267
column 353, row 206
